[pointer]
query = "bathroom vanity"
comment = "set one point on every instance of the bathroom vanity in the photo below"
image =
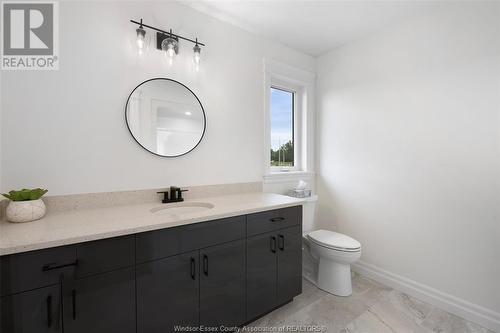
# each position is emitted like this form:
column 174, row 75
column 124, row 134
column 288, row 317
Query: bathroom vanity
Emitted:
column 226, row 271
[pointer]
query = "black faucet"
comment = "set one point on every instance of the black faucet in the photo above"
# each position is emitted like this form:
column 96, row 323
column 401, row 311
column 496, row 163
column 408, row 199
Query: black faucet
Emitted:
column 175, row 195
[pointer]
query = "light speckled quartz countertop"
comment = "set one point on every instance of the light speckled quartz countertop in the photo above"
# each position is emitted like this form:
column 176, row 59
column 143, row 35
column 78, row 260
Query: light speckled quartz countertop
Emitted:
column 76, row 226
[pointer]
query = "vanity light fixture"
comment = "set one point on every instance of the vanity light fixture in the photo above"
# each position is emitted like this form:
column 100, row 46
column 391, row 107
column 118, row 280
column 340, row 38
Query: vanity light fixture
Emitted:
column 167, row 41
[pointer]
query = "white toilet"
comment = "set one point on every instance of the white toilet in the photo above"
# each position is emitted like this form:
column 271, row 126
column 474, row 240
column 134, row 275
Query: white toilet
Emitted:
column 327, row 255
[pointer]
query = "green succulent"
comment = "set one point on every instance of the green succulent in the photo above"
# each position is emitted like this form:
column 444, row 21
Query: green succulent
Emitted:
column 25, row 194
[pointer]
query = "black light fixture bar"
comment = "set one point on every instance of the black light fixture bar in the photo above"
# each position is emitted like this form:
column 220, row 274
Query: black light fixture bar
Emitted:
column 167, row 33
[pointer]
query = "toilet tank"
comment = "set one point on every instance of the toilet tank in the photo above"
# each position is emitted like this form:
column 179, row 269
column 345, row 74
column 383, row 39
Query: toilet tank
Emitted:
column 309, row 214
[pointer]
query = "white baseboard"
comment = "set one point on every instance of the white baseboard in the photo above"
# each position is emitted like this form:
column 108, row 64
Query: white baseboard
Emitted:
column 460, row 307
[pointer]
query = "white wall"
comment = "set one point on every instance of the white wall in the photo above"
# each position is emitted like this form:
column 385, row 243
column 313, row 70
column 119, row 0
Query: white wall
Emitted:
column 1, row 98
column 409, row 156
column 65, row 130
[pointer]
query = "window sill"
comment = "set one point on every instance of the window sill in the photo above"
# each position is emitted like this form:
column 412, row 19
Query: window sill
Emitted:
column 287, row 176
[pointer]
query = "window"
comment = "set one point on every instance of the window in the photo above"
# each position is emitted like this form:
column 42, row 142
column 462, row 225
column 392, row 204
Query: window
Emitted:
column 282, row 128
column 289, row 123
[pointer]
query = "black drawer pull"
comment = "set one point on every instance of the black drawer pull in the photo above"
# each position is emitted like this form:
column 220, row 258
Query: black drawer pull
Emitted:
column 205, row 264
column 273, row 244
column 50, row 267
column 193, row 269
column 277, row 219
column 49, row 311
column 73, row 300
column 281, row 242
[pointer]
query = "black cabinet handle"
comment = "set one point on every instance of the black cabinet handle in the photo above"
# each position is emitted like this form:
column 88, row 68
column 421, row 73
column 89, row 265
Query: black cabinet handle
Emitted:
column 281, row 242
column 50, row 267
column 49, row 311
column 193, row 269
column 205, row 264
column 273, row 244
column 277, row 219
column 73, row 300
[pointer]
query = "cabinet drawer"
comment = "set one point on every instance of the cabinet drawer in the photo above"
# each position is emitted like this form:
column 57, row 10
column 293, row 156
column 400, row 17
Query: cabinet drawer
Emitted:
column 31, row 270
column 157, row 244
column 200, row 235
column 105, row 255
column 259, row 223
column 168, row 242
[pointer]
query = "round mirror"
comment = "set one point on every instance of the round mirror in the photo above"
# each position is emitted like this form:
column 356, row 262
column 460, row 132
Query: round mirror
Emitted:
column 165, row 117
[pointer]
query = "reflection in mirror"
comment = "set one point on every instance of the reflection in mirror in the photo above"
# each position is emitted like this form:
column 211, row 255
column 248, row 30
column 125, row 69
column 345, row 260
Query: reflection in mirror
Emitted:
column 165, row 117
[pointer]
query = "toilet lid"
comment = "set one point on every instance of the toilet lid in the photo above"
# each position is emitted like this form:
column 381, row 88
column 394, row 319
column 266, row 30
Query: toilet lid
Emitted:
column 334, row 240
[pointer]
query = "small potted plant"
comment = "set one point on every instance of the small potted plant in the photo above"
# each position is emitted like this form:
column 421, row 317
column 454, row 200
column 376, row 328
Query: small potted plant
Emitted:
column 25, row 205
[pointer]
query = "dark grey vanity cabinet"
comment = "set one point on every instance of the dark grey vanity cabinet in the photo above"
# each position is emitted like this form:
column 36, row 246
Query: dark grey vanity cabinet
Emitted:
column 75, row 288
column 289, row 279
column 202, row 287
column 105, row 255
column 35, row 311
column 225, row 272
column 36, row 269
column 168, row 293
column 101, row 296
column 30, row 290
column 101, row 303
column 274, row 259
column 222, row 285
column 262, row 271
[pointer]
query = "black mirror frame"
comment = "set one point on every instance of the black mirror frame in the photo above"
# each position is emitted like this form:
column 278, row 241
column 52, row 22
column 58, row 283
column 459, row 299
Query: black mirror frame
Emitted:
column 202, row 109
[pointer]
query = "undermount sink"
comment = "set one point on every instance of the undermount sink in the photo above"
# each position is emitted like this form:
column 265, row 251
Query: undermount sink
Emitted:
column 182, row 208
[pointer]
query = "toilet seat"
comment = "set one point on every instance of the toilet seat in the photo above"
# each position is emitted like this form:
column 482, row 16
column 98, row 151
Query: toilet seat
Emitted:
column 334, row 240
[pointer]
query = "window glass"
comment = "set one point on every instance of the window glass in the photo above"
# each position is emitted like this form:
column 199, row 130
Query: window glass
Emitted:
column 282, row 127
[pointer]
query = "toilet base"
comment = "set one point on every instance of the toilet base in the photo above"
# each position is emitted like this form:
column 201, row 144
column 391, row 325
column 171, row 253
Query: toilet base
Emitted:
column 334, row 277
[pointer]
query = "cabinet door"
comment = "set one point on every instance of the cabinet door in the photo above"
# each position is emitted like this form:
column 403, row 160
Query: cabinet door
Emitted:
column 101, row 303
column 222, row 285
column 168, row 293
column 36, row 311
column 261, row 274
column 289, row 263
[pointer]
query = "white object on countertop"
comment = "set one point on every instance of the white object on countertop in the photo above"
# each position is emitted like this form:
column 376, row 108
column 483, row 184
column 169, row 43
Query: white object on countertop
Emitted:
column 301, row 185
column 300, row 191
column 25, row 211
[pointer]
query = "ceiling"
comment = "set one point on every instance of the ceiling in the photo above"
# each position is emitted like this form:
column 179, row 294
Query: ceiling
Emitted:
column 310, row 26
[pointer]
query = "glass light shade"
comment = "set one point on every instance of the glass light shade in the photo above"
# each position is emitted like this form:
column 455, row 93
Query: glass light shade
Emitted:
column 141, row 37
column 196, row 54
column 170, row 50
column 170, row 46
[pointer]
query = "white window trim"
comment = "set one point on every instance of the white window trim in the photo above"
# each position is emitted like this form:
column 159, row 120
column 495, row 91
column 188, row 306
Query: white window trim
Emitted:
column 302, row 83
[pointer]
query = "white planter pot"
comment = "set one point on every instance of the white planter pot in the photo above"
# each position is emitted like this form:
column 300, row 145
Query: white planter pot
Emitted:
column 25, row 211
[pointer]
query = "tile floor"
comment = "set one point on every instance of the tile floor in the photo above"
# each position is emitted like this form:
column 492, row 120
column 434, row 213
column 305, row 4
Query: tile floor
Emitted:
column 372, row 308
